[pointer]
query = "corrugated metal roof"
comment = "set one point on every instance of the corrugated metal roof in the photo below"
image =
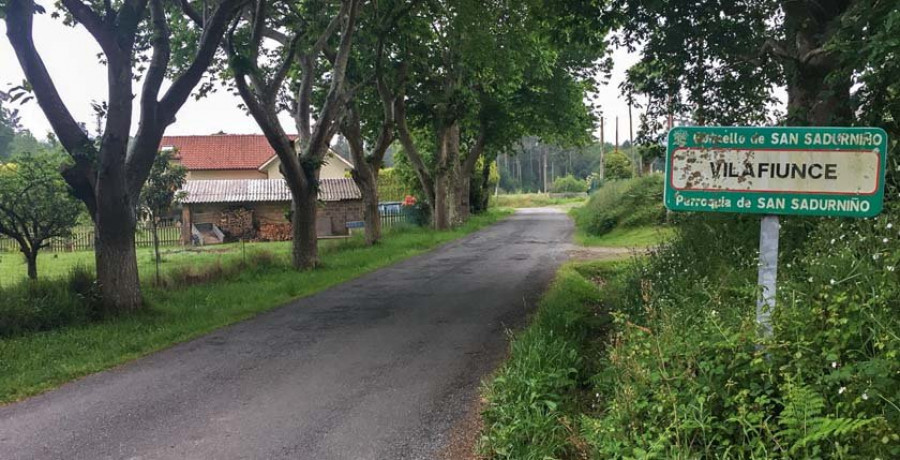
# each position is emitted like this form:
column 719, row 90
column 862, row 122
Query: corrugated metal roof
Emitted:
column 262, row 190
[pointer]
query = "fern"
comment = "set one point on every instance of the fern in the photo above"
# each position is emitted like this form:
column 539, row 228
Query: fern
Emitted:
column 803, row 423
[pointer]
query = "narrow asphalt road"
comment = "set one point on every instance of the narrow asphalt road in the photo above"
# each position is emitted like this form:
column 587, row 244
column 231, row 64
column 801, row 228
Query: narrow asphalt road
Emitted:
column 377, row 368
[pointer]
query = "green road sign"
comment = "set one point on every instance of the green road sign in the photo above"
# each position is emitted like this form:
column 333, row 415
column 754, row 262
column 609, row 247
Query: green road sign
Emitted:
column 781, row 171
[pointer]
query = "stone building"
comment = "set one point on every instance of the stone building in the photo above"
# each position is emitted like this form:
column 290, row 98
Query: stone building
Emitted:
column 215, row 211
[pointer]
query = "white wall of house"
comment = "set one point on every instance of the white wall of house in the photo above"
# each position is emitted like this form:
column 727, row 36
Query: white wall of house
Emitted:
column 334, row 168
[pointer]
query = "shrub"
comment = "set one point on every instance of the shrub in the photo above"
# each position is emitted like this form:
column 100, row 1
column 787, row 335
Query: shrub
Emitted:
column 617, row 166
column 568, row 184
column 40, row 305
column 631, row 203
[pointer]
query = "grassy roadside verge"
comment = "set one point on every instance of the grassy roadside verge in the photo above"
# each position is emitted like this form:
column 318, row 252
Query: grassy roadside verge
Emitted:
column 680, row 370
column 32, row 363
column 533, row 401
column 533, row 200
column 637, row 237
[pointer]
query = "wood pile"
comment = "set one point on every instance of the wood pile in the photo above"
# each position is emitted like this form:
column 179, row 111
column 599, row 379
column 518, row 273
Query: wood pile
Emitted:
column 237, row 223
column 274, row 232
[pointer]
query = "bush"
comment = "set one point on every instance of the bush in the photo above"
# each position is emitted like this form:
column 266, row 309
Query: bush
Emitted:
column 40, row 305
column 631, row 203
column 617, row 166
column 568, row 184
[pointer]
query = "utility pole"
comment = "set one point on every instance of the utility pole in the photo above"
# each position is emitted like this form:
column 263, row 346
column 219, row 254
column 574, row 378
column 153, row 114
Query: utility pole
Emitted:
column 602, row 149
column 617, row 135
column 544, row 160
column 637, row 159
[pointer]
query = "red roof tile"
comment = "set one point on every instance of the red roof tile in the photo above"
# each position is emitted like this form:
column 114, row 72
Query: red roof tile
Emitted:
column 220, row 151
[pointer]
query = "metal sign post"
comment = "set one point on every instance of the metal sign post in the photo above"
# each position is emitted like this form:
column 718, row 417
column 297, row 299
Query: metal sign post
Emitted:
column 807, row 171
column 768, row 273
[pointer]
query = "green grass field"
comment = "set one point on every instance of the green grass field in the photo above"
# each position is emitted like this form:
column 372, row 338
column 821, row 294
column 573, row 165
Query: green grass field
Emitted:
column 32, row 363
column 533, row 200
column 54, row 265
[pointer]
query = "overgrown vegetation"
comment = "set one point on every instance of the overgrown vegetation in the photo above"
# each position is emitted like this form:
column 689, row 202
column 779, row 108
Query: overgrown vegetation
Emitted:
column 232, row 287
column 39, row 305
column 569, row 184
column 527, row 402
column 623, row 204
column 684, row 373
column 688, row 375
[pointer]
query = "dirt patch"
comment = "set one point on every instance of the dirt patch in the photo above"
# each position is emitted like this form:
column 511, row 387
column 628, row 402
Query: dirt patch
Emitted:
column 602, row 253
column 464, row 435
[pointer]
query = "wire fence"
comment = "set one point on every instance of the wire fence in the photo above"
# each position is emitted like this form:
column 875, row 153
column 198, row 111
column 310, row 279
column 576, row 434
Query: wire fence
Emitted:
column 82, row 239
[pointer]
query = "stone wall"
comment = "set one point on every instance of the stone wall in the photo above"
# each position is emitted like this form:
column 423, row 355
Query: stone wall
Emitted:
column 270, row 217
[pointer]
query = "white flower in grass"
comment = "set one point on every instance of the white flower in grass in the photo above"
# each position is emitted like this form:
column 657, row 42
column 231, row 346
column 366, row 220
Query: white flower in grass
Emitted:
column 890, row 225
column 842, row 390
column 833, row 282
column 884, row 241
column 832, row 241
column 834, row 364
column 810, row 279
column 890, row 268
column 865, row 396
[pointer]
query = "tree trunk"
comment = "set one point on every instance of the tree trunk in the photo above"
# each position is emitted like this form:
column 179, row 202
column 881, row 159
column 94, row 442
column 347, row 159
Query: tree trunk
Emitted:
column 441, row 211
column 31, row 261
column 304, row 250
column 367, row 181
column 817, row 98
column 818, row 91
column 116, row 258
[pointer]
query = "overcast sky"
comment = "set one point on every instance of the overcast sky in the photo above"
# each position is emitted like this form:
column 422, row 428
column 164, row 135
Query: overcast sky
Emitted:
column 70, row 56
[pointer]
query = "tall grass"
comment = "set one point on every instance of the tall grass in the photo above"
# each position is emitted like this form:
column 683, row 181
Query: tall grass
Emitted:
column 31, row 306
column 623, row 204
column 527, row 400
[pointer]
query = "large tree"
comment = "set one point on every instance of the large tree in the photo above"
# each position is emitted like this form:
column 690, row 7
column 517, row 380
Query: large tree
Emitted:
column 717, row 61
column 278, row 54
column 378, row 69
column 107, row 173
column 486, row 73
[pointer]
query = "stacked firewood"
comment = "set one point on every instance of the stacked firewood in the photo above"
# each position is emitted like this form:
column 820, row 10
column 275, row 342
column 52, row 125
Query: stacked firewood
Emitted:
column 274, row 232
column 237, row 223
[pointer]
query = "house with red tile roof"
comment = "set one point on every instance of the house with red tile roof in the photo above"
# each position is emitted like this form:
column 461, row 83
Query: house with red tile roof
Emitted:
column 239, row 156
column 235, row 190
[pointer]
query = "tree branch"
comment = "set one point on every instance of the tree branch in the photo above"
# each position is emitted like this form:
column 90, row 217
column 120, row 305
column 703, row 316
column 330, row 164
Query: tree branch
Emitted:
column 409, row 146
column 209, row 42
column 94, row 24
column 81, row 176
column 191, row 13
column 159, row 62
column 778, row 50
column 334, row 105
column 267, row 119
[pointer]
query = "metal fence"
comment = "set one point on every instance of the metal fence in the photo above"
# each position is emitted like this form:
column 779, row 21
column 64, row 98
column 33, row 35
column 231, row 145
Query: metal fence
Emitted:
column 82, row 239
column 390, row 220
